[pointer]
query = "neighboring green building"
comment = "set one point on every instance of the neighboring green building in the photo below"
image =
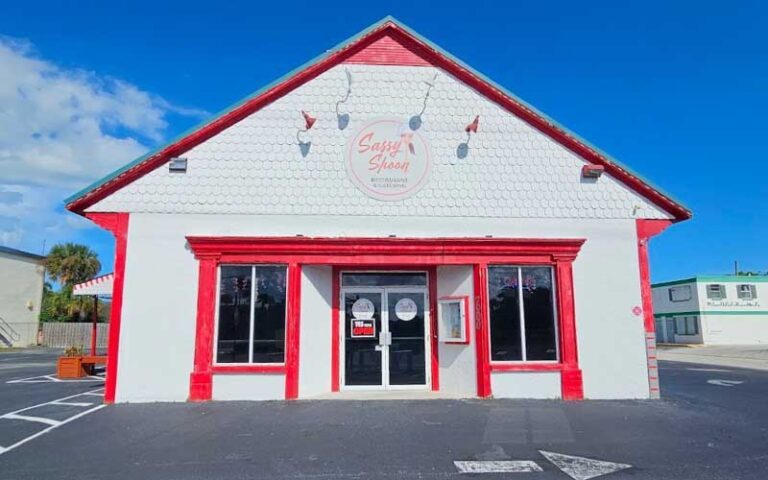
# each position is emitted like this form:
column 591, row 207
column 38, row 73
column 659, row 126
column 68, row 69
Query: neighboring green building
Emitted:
column 730, row 309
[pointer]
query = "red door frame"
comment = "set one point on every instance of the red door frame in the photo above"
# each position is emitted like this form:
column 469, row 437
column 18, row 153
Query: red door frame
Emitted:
column 431, row 272
column 380, row 253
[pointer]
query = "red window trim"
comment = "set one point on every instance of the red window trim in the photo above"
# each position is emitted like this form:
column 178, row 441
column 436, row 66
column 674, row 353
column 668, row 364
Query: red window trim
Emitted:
column 527, row 367
column 378, row 253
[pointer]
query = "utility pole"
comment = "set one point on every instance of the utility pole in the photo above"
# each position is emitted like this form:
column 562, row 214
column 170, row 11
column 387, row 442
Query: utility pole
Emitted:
column 735, row 267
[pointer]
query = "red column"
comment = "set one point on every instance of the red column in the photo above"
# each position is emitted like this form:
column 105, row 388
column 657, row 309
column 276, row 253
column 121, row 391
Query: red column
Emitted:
column 571, row 379
column 435, row 363
column 292, row 332
column 117, row 223
column 335, row 366
column 201, row 378
column 480, row 280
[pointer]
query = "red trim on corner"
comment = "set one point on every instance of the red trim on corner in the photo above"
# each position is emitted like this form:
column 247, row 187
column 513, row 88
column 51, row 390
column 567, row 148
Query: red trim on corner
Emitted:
column 117, row 223
column 421, row 50
column 432, row 289
column 335, row 332
column 482, row 349
column 645, row 230
column 293, row 332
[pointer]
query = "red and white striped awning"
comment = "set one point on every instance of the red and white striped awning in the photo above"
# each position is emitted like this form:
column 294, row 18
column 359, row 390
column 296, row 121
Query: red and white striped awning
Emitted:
column 96, row 286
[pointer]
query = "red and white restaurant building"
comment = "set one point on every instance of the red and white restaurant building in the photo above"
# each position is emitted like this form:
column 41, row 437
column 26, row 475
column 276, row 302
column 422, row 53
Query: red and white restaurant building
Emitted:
column 383, row 218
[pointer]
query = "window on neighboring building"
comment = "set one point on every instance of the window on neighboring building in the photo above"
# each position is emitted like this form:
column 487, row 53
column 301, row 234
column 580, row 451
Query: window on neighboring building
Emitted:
column 687, row 325
column 747, row 292
column 251, row 320
column 680, row 294
column 522, row 330
column 715, row 291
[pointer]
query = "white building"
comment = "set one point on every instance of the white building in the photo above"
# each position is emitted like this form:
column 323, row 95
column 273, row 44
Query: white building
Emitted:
column 382, row 218
column 21, row 293
column 716, row 310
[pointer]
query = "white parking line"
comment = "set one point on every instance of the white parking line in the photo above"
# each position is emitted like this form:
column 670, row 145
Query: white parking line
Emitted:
column 29, row 418
column 53, row 424
column 72, row 404
column 52, row 379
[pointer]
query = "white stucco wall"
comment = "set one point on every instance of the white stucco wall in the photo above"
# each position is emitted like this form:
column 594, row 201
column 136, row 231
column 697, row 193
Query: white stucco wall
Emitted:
column 249, row 387
column 734, row 329
column 157, row 330
column 161, row 294
column 526, row 385
column 21, row 291
column 458, row 373
column 316, row 334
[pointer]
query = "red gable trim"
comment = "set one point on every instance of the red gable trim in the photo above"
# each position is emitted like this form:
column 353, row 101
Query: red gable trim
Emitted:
column 387, row 51
column 421, row 50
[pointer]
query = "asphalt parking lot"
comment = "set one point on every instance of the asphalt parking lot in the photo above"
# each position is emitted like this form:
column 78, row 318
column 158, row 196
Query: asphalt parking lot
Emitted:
column 712, row 424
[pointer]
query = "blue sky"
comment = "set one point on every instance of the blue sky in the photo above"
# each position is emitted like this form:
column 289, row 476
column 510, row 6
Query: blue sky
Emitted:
column 677, row 91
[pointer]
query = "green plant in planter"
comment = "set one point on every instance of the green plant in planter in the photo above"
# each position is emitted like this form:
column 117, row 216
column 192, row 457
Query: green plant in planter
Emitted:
column 73, row 351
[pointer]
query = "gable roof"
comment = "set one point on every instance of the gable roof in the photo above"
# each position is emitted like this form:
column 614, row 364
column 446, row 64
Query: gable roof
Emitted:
column 415, row 47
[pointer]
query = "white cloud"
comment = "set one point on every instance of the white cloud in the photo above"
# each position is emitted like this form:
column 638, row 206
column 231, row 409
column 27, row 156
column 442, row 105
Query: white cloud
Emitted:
column 60, row 129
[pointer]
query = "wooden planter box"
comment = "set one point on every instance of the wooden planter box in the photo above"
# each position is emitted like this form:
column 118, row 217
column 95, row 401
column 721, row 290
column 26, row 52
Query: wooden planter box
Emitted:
column 70, row 367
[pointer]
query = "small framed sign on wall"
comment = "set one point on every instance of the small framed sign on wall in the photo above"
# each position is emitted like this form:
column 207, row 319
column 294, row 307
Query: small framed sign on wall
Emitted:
column 453, row 319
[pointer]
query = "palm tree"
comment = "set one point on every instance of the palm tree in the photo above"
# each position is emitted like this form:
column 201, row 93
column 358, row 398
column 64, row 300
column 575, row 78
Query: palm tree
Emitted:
column 71, row 263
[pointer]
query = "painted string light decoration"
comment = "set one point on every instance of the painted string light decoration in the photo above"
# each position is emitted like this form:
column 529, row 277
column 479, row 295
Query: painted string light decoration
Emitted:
column 343, row 118
column 463, row 149
column 415, row 122
column 309, row 122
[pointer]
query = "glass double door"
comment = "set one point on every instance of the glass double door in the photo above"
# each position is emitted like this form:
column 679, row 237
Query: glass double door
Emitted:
column 385, row 338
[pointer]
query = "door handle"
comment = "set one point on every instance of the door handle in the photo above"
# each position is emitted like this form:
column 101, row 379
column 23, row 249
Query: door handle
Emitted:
column 385, row 338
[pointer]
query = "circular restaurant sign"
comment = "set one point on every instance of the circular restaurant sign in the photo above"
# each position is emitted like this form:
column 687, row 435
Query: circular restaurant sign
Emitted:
column 406, row 309
column 387, row 160
column 362, row 309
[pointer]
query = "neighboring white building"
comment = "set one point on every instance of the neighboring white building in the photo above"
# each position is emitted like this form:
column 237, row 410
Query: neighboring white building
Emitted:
column 21, row 293
column 382, row 218
column 715, row 310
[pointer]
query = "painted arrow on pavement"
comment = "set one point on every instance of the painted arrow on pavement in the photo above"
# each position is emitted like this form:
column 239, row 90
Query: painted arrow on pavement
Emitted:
column 724, row 383
column 497, row 466
column 580, row 468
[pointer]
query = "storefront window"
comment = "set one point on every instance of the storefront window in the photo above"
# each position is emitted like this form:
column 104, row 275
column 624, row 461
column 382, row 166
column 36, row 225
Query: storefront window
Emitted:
column 522, row 331
column 251, row 322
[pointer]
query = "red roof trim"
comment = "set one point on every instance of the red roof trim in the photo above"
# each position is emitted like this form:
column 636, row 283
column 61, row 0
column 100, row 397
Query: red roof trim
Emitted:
column 430, row 55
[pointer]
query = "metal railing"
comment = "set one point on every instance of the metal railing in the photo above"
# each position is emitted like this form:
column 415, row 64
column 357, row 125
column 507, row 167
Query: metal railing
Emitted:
column 7, row 332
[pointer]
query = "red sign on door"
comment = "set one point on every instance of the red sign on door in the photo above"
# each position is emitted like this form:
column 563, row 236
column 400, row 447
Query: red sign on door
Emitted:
column 363, row 328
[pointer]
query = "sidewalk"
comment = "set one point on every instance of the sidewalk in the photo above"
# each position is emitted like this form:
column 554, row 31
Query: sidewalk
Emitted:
column 739, row 356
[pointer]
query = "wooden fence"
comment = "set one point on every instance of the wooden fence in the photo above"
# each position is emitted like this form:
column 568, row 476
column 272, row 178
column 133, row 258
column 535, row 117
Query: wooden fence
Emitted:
column 65, row 334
